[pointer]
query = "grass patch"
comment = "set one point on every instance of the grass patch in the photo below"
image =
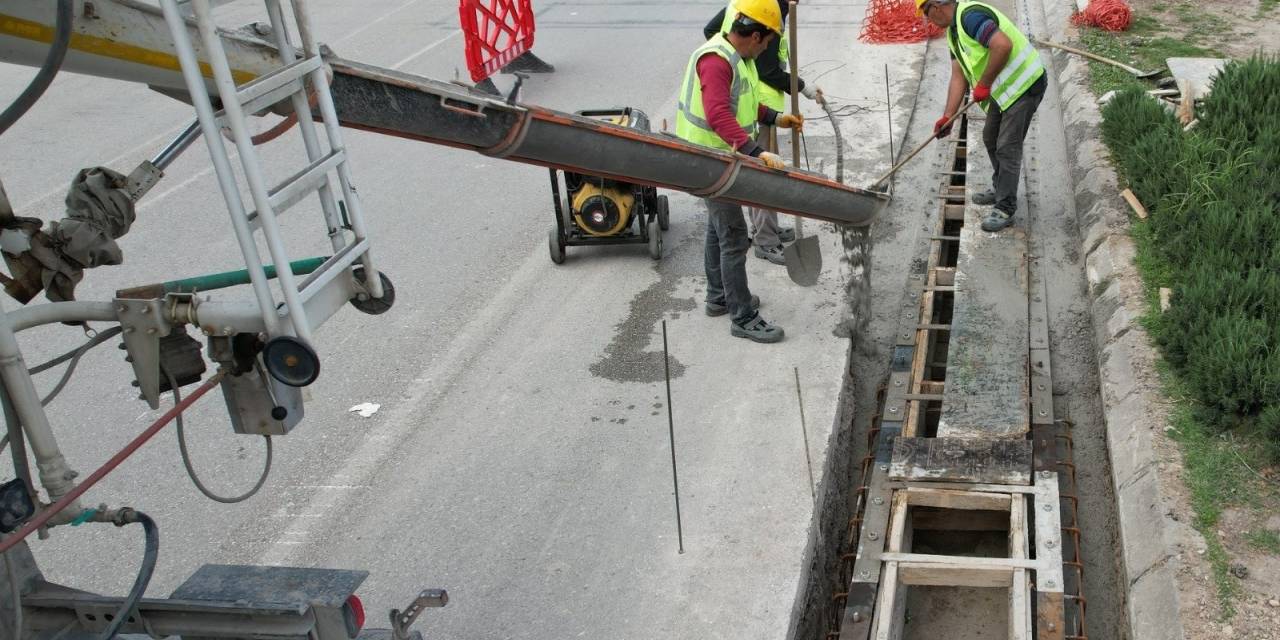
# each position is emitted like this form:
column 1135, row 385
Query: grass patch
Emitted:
column 1142, row 46
column 1264, row 540
column 1267, row 6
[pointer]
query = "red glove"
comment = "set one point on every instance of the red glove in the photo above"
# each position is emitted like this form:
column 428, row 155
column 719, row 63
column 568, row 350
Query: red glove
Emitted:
column 981, row 92
column 942, row 127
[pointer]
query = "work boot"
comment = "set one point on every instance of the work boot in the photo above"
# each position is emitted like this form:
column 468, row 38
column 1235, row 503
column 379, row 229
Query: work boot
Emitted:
column 996, row 220
column 757, row 329
column 984, row 197
column 772, row 254
column 786, row 235
column 715, row 309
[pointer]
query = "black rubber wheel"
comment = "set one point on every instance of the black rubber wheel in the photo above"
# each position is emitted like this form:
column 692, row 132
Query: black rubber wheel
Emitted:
column 370, row 305
column 664, row 213
column 655, row 240
column 555, row 245
column 291, row 361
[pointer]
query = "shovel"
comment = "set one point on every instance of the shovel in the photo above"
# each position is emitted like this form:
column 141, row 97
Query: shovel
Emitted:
column 1137, row 73
column 804, row 256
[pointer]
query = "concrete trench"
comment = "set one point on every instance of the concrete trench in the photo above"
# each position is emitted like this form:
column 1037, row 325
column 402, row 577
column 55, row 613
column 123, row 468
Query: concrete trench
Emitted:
column 1063, row 231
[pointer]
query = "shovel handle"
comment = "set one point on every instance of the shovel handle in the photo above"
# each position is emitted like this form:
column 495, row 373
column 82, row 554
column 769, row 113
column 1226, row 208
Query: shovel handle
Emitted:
column 795, row 96
column 1092, row 56
column 963, row 107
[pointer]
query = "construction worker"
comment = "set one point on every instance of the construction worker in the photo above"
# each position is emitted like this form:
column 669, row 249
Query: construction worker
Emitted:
column 718, row 108
column 775, row 83
column 990, row 56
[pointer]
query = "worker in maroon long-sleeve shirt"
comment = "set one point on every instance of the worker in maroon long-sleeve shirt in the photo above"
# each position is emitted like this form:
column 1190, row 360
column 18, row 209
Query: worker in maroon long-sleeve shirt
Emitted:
column 717, row 108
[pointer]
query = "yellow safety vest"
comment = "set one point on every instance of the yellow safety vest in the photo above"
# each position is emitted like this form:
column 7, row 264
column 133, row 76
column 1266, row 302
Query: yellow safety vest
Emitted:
column 1022, row 70
column 691, row 120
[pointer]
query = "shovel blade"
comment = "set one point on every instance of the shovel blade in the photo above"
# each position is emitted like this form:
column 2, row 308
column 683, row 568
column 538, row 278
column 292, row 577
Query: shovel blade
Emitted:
column 804, row 261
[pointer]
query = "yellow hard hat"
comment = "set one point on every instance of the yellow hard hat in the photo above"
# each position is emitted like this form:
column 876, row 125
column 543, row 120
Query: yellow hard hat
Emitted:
column 766, row 12
column 920, row 7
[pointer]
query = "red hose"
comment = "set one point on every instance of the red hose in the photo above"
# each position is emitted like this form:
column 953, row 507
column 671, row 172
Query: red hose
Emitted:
column 40, row 520
column 1111, row 15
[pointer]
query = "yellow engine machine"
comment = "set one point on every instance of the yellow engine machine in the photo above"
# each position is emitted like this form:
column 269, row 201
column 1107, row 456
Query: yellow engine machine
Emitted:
column 596, row 210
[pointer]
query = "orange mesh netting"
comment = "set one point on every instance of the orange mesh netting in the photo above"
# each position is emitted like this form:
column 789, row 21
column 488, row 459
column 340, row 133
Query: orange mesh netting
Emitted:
column 1112, row 15
column 895, row 22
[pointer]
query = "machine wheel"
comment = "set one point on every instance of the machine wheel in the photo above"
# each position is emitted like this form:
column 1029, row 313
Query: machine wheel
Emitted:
column 664, row 213
column 655, row 240
column 556, row 245
column 374, row 306
column 291, row 361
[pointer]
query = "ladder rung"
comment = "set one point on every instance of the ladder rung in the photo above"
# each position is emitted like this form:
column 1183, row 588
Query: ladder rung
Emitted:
column 336, row 264
column 273, row 87
column 301, row 184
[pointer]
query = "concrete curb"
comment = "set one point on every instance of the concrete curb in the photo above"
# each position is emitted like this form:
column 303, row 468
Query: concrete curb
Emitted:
column 1133, row 408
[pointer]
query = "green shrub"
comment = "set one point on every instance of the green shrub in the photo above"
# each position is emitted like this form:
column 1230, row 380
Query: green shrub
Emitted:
column 1214, row 230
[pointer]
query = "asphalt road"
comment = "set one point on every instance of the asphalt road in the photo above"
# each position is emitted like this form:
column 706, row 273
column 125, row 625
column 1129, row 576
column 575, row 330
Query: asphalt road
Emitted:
column 520, row 456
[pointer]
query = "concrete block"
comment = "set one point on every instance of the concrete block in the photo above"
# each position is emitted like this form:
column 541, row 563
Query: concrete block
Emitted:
column 1154, row 606
column 1141, row 511
column 1112, row 259
column 1129, row 439
column 1119, row 369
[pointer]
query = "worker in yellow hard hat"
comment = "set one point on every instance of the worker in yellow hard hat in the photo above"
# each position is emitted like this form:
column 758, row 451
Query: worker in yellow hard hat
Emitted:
column 717, row 107
column 993, row 58
column 767, row 236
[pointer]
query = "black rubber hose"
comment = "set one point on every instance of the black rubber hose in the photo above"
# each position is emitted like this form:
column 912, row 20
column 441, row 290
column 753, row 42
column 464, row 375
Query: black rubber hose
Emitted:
column 44, row 77
column 149, row 558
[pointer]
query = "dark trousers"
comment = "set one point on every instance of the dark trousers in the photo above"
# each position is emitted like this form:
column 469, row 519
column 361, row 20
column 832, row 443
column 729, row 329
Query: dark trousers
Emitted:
column 1003, row 136
column 725, row 258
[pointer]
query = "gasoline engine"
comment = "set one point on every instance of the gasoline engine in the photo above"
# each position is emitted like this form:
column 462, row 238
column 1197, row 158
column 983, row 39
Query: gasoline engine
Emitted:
column 597, row 210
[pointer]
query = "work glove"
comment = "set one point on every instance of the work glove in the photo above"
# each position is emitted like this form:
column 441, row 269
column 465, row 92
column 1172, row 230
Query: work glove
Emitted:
column 795, row 122
column 942, row 127
column 812, row 92
column 773, row 160
column 981, row 92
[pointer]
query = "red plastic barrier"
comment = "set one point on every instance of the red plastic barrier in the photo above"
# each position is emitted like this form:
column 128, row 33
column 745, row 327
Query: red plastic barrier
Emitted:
column 1112, row 15
column 496, row 32
column 895, row 22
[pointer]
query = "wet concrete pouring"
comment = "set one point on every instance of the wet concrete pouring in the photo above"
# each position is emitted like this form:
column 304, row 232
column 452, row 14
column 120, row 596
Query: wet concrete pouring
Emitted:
column 902, row 239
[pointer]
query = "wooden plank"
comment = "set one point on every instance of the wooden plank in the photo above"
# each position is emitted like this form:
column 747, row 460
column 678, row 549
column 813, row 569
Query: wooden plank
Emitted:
column 945, row 276
column 911, row 422
column 1134, row 203
column 953, row 212
column 948, row 499
column 892, row 599
column 1019, row 591
column 962, row 561
column 985, row 460
column 987, row 359
column 931, row 519
column 942, row 575
column 957, row 486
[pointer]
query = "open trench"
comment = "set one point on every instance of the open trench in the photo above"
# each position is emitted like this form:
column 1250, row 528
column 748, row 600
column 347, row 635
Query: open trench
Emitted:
column 910, row 235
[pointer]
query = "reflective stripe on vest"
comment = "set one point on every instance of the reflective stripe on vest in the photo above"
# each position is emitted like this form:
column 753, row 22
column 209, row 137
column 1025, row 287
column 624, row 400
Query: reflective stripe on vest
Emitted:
column 691, row 122
column 773, row 98
column 1021, row 71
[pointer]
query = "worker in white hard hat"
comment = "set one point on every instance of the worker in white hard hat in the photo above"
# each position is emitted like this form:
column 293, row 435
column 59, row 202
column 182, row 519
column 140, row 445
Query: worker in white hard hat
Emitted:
column 774, row 85
column 717, row 107
column 991, row 57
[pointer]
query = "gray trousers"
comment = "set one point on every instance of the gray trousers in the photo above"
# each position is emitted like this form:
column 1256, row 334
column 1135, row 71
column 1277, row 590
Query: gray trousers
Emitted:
column 1003, row 136
column 725, row 258
column 764, row 223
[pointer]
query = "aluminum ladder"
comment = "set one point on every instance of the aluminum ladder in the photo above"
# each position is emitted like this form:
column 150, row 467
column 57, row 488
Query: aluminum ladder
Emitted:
column 300, row 79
